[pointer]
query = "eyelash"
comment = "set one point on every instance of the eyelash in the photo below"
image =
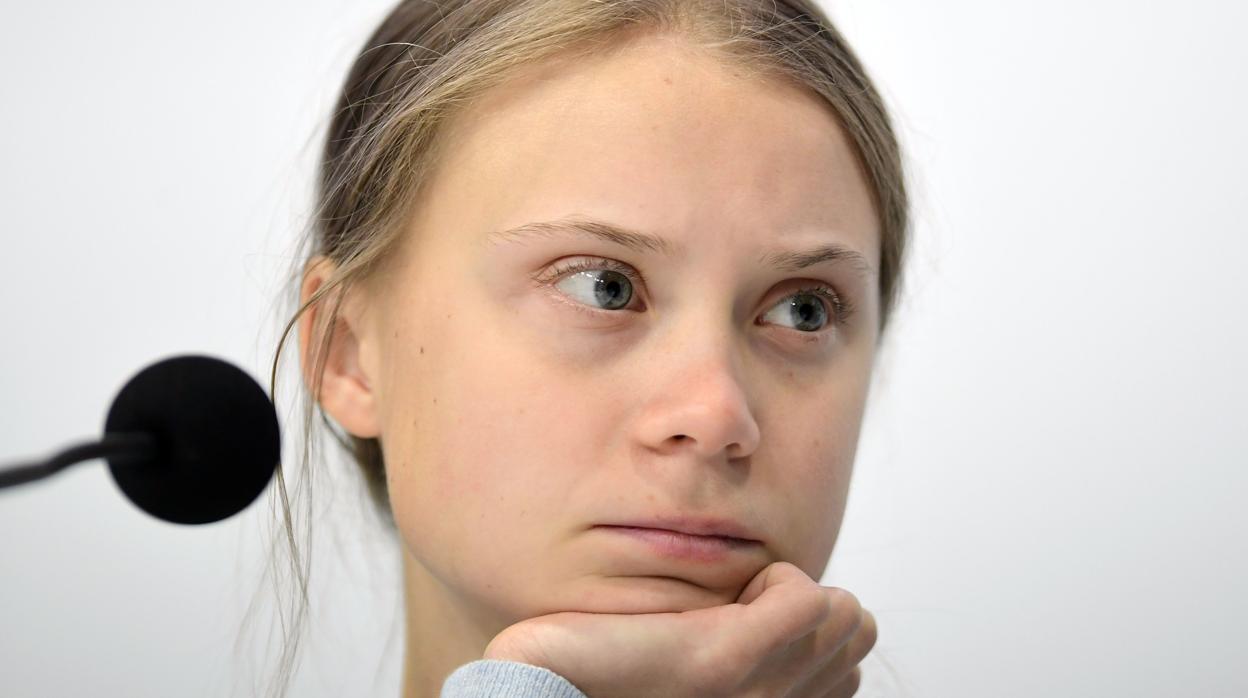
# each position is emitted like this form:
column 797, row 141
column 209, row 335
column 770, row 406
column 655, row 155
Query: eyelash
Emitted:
column 842, row 308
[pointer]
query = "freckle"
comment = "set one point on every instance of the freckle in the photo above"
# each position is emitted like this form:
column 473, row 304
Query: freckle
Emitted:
column 422, row 349
column 435, row 401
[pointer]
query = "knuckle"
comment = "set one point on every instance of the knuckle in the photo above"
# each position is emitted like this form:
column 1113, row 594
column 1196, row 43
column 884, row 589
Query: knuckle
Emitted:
column 786, row 566
column 818, row 598
column 869, row 630
column 783, row 570
column 515, row 643
column 845, row 685
column 853, row 681
column 842, row 597
column 846, row 614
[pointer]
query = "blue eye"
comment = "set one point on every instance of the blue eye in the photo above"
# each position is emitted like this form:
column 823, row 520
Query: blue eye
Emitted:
column 809, row 312
column 600, row 285
column 609, row 289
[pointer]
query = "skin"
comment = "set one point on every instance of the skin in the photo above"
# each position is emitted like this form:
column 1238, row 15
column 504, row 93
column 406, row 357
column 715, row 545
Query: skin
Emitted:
column 512, row 422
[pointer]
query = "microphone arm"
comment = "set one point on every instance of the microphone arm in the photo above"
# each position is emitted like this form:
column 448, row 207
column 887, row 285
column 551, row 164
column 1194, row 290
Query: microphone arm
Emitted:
column 127, row 445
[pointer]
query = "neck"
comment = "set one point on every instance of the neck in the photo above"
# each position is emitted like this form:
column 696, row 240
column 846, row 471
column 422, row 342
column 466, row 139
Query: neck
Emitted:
column 444, row 631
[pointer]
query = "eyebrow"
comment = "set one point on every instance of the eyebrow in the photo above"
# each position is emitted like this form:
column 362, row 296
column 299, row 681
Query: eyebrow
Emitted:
column 784, row 260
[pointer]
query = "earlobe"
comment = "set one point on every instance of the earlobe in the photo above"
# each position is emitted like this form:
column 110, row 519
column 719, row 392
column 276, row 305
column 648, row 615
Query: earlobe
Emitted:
column 346, row 393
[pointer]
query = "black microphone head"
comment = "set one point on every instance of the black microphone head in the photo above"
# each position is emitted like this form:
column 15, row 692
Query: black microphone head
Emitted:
column 217, row 436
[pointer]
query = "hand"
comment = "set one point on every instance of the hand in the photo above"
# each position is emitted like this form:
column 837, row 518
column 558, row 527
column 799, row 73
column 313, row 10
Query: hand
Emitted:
column 785, row 636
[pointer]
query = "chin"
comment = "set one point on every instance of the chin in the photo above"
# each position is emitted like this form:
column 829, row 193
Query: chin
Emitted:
column 632, row 595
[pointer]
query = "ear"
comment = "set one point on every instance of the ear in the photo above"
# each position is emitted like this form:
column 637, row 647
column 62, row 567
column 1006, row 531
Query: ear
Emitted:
column 346, row 389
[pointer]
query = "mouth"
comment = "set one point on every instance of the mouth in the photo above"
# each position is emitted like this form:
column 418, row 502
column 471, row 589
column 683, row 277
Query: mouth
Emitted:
column 684, row 546
column 718, row 527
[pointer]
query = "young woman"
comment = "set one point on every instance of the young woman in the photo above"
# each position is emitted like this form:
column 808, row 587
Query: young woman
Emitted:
column 594, row 294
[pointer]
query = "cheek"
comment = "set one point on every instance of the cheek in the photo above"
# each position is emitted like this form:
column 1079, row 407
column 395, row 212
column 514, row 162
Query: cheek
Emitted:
column 506, row 467
column 481, row 440
column 819, row 444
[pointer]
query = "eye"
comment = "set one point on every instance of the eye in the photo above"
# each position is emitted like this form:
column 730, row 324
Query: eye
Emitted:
column 600, row 284
column 810, row 309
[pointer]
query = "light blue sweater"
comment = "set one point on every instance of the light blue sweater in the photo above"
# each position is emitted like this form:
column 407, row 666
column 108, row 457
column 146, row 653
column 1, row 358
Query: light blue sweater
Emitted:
column 500, row 678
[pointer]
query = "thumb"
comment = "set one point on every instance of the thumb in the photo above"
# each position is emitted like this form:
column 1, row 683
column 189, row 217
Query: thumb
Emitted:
column 781, row 604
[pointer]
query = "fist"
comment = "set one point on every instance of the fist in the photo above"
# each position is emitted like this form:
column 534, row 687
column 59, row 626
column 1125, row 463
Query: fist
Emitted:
column 785, row 636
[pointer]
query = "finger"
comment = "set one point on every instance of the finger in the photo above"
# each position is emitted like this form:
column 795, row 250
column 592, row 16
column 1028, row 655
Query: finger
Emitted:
column 843, row 622
column 847, row 686
column 831, row 684
column 790, row 606
column 836, row 666
column 770, row 575
column 859, row 646
column 844, row 619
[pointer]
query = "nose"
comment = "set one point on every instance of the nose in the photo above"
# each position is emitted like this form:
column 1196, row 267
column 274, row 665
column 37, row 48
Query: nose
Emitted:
column 700, row 404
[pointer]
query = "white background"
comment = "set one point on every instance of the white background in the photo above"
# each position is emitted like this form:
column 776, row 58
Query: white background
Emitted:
column 1048, row 495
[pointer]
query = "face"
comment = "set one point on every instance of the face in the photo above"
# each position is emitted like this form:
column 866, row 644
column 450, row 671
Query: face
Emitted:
column 521, row 403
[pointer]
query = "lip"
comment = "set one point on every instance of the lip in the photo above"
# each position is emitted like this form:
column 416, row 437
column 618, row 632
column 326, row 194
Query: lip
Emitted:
column 674, row 544
column 716, row 527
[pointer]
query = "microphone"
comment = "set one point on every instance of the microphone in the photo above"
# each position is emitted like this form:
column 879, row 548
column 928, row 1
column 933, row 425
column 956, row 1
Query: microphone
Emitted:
column 190, row 439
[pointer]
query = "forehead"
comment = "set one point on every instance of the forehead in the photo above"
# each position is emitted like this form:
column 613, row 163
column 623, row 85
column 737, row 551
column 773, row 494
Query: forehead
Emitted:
column 663, row 137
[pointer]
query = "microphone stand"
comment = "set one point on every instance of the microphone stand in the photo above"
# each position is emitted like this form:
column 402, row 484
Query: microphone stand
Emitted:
column 140, row 446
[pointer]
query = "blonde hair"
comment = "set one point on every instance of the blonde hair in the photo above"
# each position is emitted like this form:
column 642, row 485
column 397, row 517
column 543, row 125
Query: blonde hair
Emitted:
column 429, row 59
